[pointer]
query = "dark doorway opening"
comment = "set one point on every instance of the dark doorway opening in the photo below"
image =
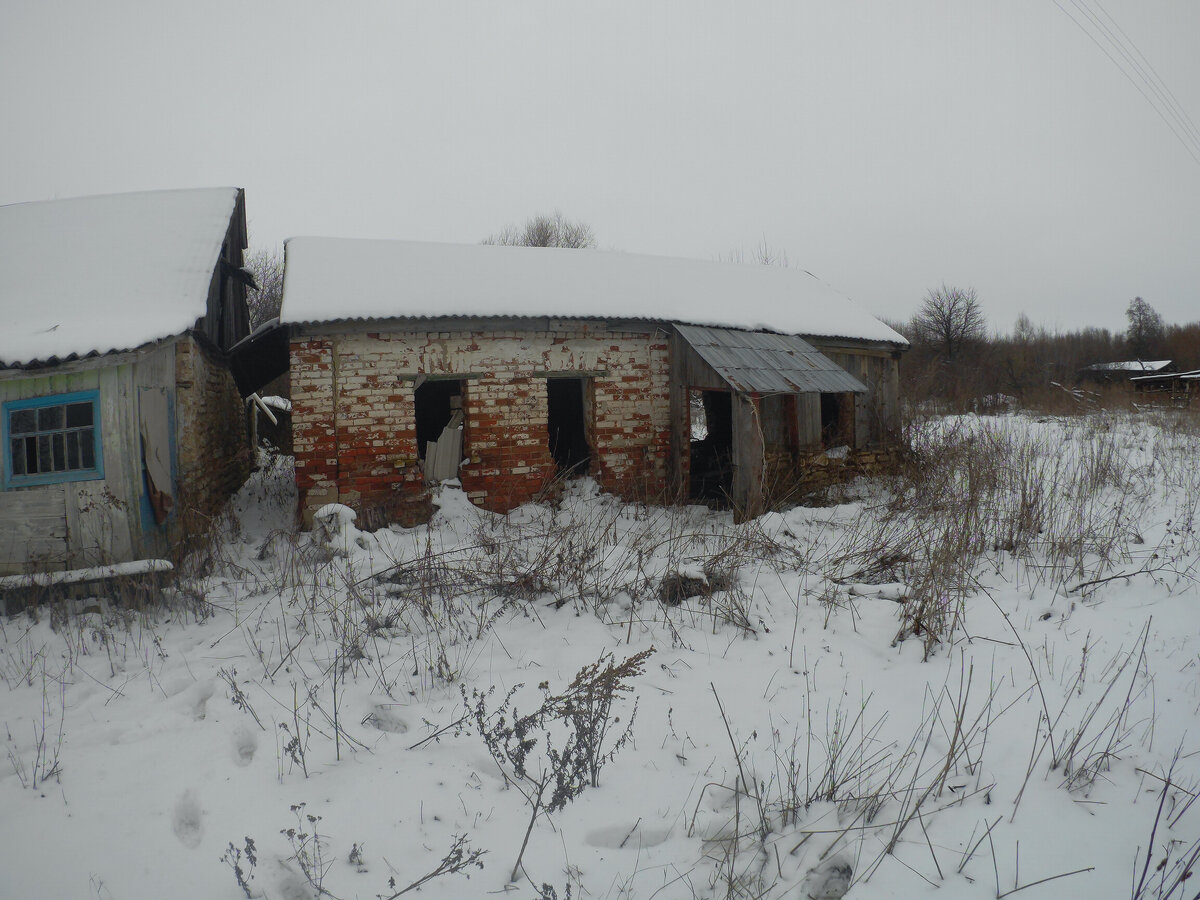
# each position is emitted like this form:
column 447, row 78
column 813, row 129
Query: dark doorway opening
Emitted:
column 837, row 420
column 436, row 401
column 711, row 462
column 567, row 421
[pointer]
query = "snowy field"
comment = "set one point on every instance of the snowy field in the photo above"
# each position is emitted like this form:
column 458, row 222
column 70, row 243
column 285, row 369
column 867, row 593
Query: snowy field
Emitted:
column 978, row 679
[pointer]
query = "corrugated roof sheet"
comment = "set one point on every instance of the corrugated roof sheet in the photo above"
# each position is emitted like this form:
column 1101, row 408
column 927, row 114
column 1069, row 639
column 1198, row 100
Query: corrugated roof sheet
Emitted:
column 757, row 362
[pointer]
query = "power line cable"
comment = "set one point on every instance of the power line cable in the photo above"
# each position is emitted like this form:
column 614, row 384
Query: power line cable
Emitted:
column 1193, row 152
column 1174, row 101
column 1125, row 51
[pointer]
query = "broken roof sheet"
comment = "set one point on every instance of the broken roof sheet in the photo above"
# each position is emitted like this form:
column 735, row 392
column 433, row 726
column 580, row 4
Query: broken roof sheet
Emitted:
column 1170, row 376
column 97, row 274
column 754, row 362
column 331, row 279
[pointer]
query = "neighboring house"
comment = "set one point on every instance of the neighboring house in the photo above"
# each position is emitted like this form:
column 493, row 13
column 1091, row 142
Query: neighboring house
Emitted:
column 119, row 418
column 1123, row 372
column 1175, row 388
column 506, row 366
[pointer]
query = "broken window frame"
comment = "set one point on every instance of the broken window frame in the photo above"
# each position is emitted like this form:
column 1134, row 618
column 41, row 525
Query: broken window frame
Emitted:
column 456, row 418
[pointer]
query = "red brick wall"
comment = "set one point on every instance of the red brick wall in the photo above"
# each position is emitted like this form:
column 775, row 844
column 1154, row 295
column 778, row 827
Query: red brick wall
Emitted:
column 313, row 440
column 355, row 432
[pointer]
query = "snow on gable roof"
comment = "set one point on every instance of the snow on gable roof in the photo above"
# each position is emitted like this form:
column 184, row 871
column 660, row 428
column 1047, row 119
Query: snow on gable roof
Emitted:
column 97, row 274
column 330, row 279
column 1131, row 365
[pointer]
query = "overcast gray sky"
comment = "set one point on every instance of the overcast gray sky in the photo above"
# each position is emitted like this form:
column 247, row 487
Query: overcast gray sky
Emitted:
column 886, row 145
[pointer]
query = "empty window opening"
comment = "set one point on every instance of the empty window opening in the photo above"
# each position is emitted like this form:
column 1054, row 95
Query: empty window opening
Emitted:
column 837, row 420
column 698, row 418
column 436, row 401
column 567, row 404
column 711, row 462
column 438, row 407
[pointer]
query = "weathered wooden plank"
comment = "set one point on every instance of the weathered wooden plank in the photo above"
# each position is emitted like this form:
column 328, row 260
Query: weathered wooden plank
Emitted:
column 37, row 502
column 51, row 528
column 747, row 458
column 778, row 422
column 862, row 420
column 34, row 554
column 680, row 417
column 808, row 420
column 103, row 512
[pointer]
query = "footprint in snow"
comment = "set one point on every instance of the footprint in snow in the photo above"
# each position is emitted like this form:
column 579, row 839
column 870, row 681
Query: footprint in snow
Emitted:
column 195, row 698
column 384, row 718
column 828, row 881
column 187, row 820
column 245, row 743
column 622, row 837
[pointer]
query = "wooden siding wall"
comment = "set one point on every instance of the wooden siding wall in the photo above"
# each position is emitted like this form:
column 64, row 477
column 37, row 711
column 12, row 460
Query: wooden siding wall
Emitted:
column 227, row 319
column 86, row 523
column 876, row 413
column 772, row 424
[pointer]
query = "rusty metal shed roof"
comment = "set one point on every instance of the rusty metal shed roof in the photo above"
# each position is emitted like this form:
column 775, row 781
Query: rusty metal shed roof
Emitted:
column 763, row 363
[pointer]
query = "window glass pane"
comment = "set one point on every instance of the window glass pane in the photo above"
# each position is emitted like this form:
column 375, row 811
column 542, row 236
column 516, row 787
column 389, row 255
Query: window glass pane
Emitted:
column 50, row 418
column 87, row 448
column 79, row 414
column 31, row 466
column 23, row 421
column 59, row 438
column 45, row 458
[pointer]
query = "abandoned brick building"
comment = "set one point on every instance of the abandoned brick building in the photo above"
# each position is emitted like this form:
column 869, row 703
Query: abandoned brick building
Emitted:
column 506, row 366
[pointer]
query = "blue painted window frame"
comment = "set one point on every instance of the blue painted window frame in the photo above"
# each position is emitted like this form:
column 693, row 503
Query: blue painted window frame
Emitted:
column 93, row 474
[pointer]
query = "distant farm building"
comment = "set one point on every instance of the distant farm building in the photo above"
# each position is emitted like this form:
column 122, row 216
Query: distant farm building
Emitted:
column 1174, row 388
column 1122, row 372
column 506, row 367
column 118, row 414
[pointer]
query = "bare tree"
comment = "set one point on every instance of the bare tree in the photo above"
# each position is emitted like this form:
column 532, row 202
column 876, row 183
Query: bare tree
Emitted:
column 545, row 231
column 763, row 254
column 267, row 268
column 1146, row 329
column 949, row 320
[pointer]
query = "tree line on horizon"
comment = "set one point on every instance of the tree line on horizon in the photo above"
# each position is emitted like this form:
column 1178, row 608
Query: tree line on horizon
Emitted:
column 954, row 359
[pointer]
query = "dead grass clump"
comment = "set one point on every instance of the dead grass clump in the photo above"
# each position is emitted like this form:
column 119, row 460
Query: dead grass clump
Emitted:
column 1062, row 499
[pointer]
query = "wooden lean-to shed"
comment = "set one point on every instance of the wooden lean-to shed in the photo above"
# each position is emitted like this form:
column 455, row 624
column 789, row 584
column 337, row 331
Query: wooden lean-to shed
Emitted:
column 119, row 418
column 661, row 378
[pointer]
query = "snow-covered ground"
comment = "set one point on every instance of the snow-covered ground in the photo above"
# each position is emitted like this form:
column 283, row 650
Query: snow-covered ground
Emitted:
column 933, row 687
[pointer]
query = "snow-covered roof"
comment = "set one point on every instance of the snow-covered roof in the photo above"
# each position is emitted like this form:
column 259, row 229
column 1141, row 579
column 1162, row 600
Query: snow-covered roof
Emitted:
column 97, row 274
column 331, row 279
column 1132, row 365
